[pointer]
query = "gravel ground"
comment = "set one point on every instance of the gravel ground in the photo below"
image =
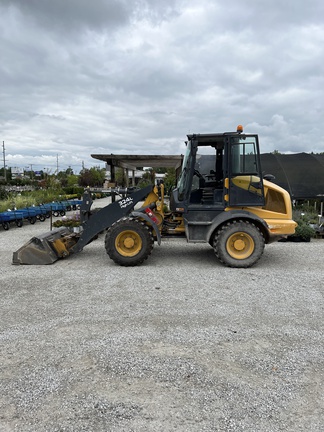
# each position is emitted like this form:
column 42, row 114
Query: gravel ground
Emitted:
column 179, row 343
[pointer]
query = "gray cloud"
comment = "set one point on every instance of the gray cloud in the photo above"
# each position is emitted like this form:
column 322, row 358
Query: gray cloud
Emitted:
column 135, row 77
column 71, row 15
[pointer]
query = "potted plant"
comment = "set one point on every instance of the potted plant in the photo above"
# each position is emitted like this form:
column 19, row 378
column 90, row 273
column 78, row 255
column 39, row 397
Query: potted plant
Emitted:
column 72, row 222
column 303, row 232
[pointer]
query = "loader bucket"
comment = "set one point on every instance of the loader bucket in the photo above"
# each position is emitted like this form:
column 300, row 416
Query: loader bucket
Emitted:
column 46, row 248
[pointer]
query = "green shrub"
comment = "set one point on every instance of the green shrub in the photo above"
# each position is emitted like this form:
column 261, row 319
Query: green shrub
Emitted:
column 73, row 190
column 303, row 230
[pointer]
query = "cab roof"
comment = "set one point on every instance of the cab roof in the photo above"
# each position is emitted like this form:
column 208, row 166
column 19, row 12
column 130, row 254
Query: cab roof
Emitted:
column 213, row 138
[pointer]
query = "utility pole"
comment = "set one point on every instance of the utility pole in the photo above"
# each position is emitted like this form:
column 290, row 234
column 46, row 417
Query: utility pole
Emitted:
column 57, row 166
column 4, row 162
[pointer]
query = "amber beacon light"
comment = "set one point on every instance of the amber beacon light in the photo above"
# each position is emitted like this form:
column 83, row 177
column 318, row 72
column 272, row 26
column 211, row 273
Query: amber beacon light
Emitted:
column 239, row 129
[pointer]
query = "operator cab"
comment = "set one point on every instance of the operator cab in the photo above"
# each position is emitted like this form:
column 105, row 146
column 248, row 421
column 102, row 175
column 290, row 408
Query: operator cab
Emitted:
column 218, row 171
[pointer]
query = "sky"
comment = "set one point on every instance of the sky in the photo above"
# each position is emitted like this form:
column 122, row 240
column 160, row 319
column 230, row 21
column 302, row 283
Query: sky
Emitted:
column 80, row 77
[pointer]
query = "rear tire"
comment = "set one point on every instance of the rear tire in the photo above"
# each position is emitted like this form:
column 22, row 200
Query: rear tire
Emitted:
column 129, row 242
column 239, row 244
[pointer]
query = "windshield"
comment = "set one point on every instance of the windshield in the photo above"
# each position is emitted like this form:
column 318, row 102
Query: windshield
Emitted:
column 182, row 182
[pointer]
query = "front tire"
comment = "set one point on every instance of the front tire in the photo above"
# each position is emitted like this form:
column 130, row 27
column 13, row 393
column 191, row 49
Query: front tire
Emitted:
column 129, row 242
column 239, row 244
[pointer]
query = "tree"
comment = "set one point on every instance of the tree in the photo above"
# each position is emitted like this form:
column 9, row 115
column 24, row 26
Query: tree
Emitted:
column 147, row 178
column 62, row 177
column 92, row 177
column 120, row 178
column 3, row 193
column 52, row 182
column 149, row 174
column 8, row 173
column 169, row 179
column 72, row 180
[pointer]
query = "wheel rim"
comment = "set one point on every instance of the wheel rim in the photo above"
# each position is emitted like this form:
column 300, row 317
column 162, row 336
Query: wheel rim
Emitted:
column 240, row 245
column 128, row 243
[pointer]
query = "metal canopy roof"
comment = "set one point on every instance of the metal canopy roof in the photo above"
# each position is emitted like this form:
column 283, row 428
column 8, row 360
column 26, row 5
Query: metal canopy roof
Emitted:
column 139, row 161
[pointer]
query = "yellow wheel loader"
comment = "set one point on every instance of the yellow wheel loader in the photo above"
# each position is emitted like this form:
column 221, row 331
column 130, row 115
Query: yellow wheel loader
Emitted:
column 221, row 198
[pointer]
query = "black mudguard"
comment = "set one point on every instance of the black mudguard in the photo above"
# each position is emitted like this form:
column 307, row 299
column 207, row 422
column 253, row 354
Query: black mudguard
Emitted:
column 227, row 216
column 150, row 222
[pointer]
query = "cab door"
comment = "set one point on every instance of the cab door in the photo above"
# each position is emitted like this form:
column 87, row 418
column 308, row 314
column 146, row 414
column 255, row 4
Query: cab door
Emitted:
column 245, row 185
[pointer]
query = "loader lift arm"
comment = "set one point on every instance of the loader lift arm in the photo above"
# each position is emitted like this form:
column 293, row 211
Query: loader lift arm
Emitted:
column 53, row 245
column 96, row 223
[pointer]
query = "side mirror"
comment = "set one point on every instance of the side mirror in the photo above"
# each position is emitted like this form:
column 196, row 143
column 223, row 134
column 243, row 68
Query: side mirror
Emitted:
column 269, row 177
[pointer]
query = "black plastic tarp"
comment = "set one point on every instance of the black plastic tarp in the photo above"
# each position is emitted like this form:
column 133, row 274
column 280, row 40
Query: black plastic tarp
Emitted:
column 302, row 174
